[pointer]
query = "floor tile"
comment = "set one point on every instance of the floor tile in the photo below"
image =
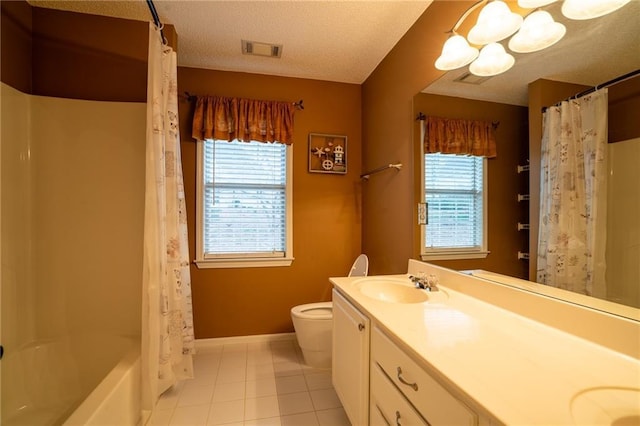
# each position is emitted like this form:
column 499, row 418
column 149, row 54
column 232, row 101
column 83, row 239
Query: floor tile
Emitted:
column 294, row 403
column 259, row 358
column 261, row 408
column 204, row 367
column 321, row 380
column 290, row 384
column 232, row 374
column 160, row 417
column 284, row 351
column 333, row 417
column 195, row 395
column 305, row 419
column 226, row 412
column 286, row 368
column 213, row 349
column 272, row 421
column 261, row 387
column 190, row 416
column 200, row 380
column 252, row 384
column 228, row 391
column 236, row 364
column 325, row 398
column 234, row 349
column 260, row 371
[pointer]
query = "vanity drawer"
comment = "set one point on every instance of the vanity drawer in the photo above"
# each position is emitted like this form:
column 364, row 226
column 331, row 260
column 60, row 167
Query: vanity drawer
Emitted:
column 432, row 400
column 388, row 407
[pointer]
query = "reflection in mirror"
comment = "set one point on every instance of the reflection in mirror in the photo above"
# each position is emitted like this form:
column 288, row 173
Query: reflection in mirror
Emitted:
column 593, row 51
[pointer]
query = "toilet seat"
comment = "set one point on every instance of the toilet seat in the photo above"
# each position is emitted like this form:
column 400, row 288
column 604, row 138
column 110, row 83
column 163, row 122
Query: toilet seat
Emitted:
column 316, row 311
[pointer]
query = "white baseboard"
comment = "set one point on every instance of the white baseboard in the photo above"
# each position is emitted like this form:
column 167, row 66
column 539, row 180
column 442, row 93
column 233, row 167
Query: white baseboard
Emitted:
column 258, row 338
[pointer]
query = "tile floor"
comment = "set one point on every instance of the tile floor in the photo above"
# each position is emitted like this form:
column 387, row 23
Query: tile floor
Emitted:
column 257, row 383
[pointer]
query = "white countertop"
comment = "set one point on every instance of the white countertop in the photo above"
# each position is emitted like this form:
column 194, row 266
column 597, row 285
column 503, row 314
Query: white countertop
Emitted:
column 517, row 370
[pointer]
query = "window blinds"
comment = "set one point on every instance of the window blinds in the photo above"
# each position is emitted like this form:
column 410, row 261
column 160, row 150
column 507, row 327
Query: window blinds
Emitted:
column 453, row 191
column 244, row 198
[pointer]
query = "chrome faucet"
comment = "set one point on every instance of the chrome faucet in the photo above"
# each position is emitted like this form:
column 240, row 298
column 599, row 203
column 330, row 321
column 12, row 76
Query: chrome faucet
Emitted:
column 429, row 283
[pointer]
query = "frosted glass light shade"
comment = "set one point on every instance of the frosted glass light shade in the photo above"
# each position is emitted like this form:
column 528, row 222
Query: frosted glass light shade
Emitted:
column 495, row 22
column 588, row 9
column 456, row 53
column 533, row 4
column 492, row 60
column 538, row 31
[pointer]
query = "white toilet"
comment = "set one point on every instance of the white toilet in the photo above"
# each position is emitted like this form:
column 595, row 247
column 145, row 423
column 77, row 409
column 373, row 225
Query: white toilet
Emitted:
column 313, row 324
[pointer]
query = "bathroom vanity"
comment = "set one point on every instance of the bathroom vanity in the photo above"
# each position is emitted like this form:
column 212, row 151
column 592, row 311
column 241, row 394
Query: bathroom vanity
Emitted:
column 478, row 353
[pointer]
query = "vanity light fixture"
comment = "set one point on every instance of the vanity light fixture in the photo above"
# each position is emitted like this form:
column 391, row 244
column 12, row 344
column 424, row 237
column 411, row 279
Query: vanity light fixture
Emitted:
column 456, row 53
column 588, row 9
column 533, row 4
column 538, row 32
column 493, row 60
column 497, row 22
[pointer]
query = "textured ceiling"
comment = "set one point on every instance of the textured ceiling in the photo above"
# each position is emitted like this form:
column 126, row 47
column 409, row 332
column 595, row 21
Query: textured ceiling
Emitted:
column 339, row 41
column 343, row 41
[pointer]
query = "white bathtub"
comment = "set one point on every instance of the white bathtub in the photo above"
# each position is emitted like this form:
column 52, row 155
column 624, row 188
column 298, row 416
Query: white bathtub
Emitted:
column 117, row 399
column 84, row 380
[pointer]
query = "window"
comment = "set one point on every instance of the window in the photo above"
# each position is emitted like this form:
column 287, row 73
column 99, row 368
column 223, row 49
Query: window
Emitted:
column 455, row 192
column 244, row 204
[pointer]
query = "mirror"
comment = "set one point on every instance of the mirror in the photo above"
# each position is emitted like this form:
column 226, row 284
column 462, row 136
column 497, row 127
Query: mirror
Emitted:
column 592, row 52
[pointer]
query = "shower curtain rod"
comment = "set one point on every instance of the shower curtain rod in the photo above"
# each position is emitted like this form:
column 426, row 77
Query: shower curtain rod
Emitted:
column 156, row 19
column 611, row 82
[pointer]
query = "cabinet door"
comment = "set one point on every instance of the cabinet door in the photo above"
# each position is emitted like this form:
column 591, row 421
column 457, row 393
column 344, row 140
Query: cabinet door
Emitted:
column 350, row 359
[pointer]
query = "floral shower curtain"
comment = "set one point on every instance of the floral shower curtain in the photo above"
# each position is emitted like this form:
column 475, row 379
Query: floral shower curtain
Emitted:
column 167, row 319
column 573, row 181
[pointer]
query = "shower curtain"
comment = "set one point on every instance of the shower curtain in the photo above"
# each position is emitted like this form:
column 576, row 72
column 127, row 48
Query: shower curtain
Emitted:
column 573, row 182
column 167, row 319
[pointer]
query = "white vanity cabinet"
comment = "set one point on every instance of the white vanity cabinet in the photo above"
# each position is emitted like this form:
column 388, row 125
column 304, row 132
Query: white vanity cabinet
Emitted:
column 350, row 362
column 387, row 405
column 398, row 381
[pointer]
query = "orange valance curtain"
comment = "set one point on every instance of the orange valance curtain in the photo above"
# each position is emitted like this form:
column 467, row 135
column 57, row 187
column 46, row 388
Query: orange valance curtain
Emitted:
column 247, row 120
column 454, row 136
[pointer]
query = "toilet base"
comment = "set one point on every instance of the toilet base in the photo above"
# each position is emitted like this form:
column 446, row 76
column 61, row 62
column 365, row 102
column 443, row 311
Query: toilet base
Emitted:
column 317, row 359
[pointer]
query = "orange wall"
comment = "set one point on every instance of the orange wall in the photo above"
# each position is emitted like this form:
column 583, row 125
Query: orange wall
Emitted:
column 326, row 208
column 72, row 55
column 388, row 202
column 390, row 233
column 16, row 44
column 624, row 104
column 504, row 182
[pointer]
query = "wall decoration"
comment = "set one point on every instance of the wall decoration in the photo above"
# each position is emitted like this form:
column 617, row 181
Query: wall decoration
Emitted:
column 327, row 153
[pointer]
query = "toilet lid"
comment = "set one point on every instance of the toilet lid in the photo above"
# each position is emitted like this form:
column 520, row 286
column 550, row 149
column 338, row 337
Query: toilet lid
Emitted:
column 317, row 312
column 322, row 310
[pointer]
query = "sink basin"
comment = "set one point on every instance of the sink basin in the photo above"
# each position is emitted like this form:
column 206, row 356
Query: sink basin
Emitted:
column 395, row 290
column 617, row 406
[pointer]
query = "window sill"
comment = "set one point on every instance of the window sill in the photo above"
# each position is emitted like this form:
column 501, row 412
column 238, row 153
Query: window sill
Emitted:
column 453, row 255
column 243, row 263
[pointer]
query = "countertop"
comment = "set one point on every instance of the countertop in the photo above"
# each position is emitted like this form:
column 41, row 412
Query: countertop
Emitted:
column 506, row 366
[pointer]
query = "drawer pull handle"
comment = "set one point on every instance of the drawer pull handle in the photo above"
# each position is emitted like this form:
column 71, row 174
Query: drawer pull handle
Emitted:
column 383, row 416
column 398, row 419
column 361, row 326
column 404, row 382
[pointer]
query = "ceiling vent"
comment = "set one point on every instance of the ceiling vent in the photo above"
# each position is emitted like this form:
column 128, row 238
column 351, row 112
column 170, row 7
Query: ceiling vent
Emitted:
column 261, row 49
column 471, row 79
